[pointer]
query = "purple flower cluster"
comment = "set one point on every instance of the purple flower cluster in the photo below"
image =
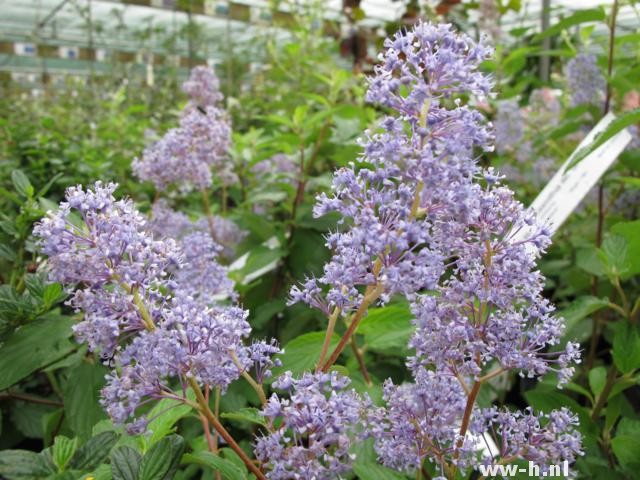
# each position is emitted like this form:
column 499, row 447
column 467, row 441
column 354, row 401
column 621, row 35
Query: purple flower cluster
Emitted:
column 185, row 155
column 389, row 244
column 509, row 125
column 546, row 439
column 168, row 223
column 154, row 326
column 423, row 220
column 316, row 427
column 419, row 421
column 203, row 88
column 585, row 80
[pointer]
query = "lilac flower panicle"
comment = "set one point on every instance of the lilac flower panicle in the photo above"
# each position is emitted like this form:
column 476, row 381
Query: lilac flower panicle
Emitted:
column 148, row 304
column 418, row 422
column 319, row 423
column 585, row 80
column 546, row 439
column 420, row 214
column 110, row 243
column 203, row 87
column 509, row 126
column 184, row 156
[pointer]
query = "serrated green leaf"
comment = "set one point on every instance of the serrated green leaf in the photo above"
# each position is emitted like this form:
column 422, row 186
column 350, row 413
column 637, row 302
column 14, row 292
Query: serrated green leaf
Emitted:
column 81, row 398
column 626, row 348
column 32, row 347
column 630, row 231
column 125, row 463
column 626, row 449
column 227, row 469
column 614, row 255
column 162, row 460
column 94, row 452
column 23, row 465
column 373, row 471
column 62, row 451
column 52, row 294
column 166, row 413
column 597, row 379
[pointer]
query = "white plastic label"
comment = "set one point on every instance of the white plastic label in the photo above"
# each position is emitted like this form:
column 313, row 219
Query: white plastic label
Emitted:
column 567, row 188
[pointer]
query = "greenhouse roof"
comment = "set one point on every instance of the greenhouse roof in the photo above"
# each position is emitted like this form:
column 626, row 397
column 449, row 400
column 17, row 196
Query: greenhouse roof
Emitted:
column 70, row 34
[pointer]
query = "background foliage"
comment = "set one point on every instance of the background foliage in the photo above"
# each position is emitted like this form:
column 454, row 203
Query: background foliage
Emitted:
column 308, row 108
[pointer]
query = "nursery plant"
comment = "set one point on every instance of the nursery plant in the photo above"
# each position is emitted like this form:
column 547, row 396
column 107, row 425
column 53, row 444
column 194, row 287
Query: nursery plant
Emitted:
column 315, row 288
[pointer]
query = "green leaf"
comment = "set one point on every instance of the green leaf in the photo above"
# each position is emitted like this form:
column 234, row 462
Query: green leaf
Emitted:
column 52, row 294
column 62, row 451
column 366, row 466
column 22, row 184
column 626, row 348
column 162, row 460
column 7, row 253
column 373, row 471
column 580, row 16
column 626, row 449
column 303, row 352
column 125, row 463
column 588, row 260
column 227, row 469
column 616, row 126
column 614, row 255
column 248, row 414
column 387, row 328
column 81, row 398
column 261, row 260
column 597, row 379
column 32, row 347
column 167, row 413
column 23, row 465
column 630, row 231
column 94, row 452
column 575, row 313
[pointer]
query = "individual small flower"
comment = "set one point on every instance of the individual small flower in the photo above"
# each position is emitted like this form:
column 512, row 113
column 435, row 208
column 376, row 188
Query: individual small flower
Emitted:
column 318, row 424
column 203, row 87
column 261, row 355
column 585, row 80
column 545, row 439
